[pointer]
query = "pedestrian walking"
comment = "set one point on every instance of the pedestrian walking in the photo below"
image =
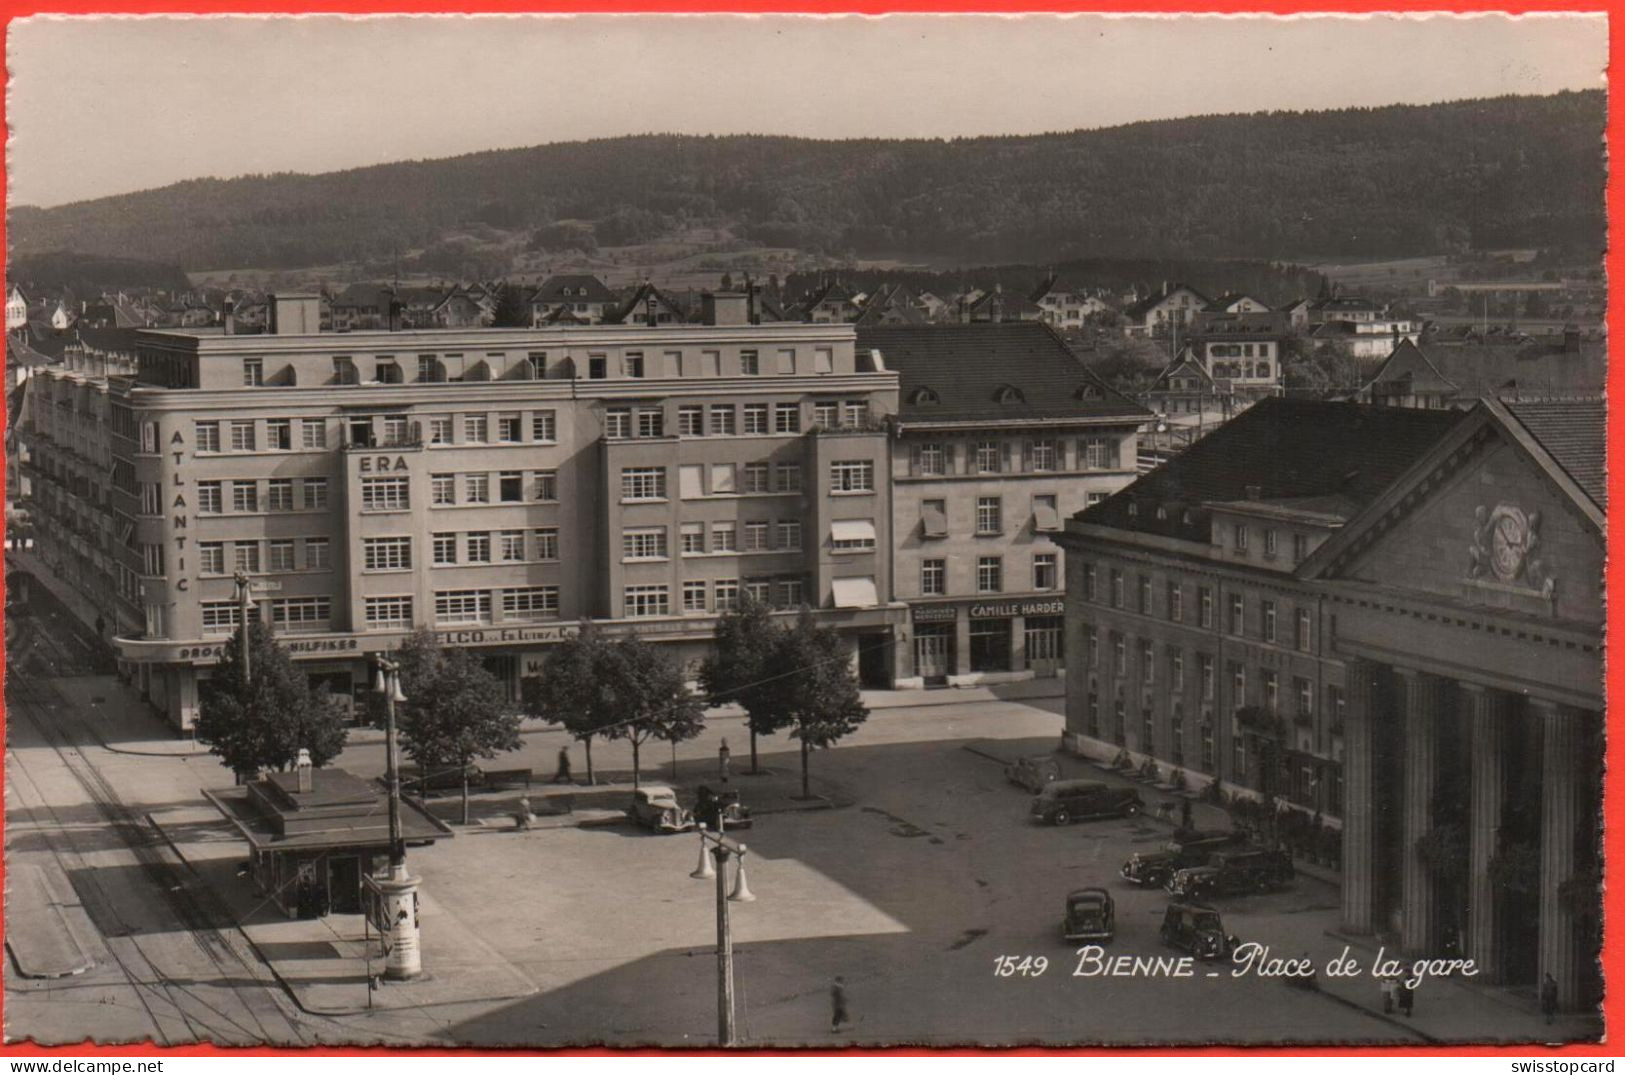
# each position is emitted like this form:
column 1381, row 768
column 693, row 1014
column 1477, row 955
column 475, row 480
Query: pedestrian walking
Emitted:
column 101, row 627
column 1185, row 814
column 837, row 1003
column 1390, row 988
column 563, row 775
column 1548, row 998
column 1407, row 998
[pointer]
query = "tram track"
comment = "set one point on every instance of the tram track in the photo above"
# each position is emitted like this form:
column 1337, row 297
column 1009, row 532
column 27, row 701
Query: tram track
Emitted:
column 234, row 1000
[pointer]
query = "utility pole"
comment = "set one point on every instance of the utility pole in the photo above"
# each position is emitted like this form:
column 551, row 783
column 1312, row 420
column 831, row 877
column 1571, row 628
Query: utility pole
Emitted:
column 241, row 579
column 397, row 892
column 724, row 848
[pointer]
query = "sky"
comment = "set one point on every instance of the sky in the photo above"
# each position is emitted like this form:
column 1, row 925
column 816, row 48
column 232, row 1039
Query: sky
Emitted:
column 106, row 105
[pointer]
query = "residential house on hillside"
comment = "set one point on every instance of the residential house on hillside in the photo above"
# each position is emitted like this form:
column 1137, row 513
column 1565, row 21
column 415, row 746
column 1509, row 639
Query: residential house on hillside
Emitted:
column 1235, row 302
column 1185, row 387
column 1296, row 313
column 1000, row 305
column 1174, row 306
column 1064, row 305
column 16, row 309
column 1458, row 375
column 460, row 308
column 832, row 304
column 891, row 306
column 576, row 298
column 362, row 307
column 1368, row 339
column 650, row 306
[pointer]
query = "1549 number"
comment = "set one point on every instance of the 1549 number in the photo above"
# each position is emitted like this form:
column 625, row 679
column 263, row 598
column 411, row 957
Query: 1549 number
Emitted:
column 1019, row 966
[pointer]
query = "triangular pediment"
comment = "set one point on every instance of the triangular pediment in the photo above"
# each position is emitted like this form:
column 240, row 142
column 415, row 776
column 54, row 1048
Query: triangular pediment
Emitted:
column 1486, row 519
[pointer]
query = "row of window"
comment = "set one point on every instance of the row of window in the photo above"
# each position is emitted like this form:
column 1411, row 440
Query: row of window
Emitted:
column 719, row 419
column 511, row 487
column 649, row 483
column 989, row 574
column 718, row 595
column 724, row 536
column 1241, row 536
column 997, row 457
column 279, row 556
column 737, row 479
column 1173, row 673
column 287, row 614
column 989, row 515
column 1269, row 620
column 501, row 546
column 246, row 496
column 244, row 435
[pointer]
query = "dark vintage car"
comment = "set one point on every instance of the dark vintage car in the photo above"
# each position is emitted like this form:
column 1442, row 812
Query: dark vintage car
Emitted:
column 1033, row 772
column 1233, row 873
column 1065, row 801
column 655, row 807
column 721, row 810
column 1186, row 849
column 1090, row 916
column 1197, row 929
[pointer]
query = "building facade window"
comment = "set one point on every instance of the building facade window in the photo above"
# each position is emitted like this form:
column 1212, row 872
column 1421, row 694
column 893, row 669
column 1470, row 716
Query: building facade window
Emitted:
column 392, row 613
column 989, row 574
column 1176, row 602
column 646, row 544
column 462, row 606
column 385, row 494
column 530, row 603
column 206, row 435
column 1044, row 571
column 989, row 515
column 1267, row 611
column 1305, row 635
column 933, row 577
column 787, row 477
column 755, row 418
column 857, row 476
column 444, row 549
column 386, row 553
column 989, row 457
column 643, row 483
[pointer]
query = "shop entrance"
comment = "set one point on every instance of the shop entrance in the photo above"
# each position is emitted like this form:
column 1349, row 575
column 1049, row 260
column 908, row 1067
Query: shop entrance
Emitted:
column 874, row 661
column 934, row 653
column 990, row 645
column 344, row 884
column 1044, row 654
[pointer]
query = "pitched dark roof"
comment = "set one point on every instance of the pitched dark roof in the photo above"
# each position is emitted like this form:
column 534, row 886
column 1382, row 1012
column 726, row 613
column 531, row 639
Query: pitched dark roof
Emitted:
column 1184, row 364
column 1008, row 303
column 970, row 367
column 1139, row 309
column 1289, row 449
column 1573, row 432
column 552, row 289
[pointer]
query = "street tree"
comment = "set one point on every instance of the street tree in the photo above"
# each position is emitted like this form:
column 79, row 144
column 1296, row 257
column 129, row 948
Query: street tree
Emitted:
column 651, row 698
column 454, row 711
column 817, row 688
column 261, row 720
column 575, row 688
column 740, row 669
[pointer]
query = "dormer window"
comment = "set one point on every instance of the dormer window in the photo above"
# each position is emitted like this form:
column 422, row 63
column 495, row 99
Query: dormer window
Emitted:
column 1133, row 508
column 1087, row 391
column 1009, row 394
column 923, row 395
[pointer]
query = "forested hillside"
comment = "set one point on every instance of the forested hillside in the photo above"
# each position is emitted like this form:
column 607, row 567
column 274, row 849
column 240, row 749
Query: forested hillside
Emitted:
column 1401, row 180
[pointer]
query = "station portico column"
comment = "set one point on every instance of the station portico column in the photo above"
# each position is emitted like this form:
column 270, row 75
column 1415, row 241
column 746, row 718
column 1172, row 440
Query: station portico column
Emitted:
column 1561, row 793
column 1424, row 708
column 1359, row 792
column 1489, row 714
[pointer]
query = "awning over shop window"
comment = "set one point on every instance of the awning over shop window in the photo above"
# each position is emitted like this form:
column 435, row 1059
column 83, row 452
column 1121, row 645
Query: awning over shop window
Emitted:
column 1045, row 517
column 852, row 530
column 934, row 521
column 856, row 592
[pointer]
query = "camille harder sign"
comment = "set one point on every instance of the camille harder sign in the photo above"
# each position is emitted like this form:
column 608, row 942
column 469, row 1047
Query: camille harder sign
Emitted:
column 1042, row 606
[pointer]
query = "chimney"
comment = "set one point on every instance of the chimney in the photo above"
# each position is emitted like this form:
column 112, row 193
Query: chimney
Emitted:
column 304, row 772
column 229, row 310
column 294, row 315
column 725, row 308
column 1255, row 492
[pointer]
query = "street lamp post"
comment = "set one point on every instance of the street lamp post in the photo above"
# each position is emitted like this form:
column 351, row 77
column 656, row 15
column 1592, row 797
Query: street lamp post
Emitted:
column 399, row 892
column 243, row 587
column 721, row 848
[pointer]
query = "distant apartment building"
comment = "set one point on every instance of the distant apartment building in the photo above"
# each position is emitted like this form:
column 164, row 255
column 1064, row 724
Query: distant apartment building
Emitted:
column 1000, row 435
column 495, row 485
column 1172, row 308
column 574, row 298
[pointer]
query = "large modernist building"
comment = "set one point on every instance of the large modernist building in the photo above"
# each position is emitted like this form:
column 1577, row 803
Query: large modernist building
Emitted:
column 1389, row 616
column 498, row 486
column 999, row 435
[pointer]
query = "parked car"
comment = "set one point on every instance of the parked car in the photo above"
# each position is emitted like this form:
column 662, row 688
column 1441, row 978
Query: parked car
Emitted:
column 1090, row 916
column 1033, row 772
column 656, row 808
column 1069, row 800
column 1154, row 868
column 712, row 807
column 1196, row 928
column 1233, row 873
